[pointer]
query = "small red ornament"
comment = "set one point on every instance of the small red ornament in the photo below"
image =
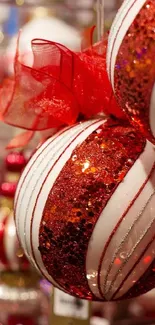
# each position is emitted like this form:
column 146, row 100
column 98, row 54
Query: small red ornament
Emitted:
column 8, row 189
column 11, row 257
column 15, row 161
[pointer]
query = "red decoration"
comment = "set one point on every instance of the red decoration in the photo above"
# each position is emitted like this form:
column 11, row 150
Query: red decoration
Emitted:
column 85, row 210
column 60, row 86
column 21, row 320
column 131, row 63
column 8, row 189
column 95, row 55
column 3, row 259
column 9, row 245
column 15, row 161
column 86, row 193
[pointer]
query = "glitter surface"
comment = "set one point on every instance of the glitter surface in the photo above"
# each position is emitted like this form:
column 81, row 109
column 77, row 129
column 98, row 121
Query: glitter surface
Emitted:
column 78, row 197
column 135, row 69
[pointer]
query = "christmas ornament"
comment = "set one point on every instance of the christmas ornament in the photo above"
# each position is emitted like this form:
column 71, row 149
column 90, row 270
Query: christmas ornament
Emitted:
column 84, row 206
column 131, row 66
column 11, row 256
column 15, row 162
column 13, row 166
column 84, row 210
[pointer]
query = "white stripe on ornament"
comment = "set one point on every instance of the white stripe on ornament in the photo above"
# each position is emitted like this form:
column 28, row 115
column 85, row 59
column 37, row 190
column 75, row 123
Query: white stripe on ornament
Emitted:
column 55, row 149
column 139, row 271
column 87, row 129
column 30, row 164
column 27, row 179
column 112, row 213
column 133, row 246
column 33, row 182
column 10, row 243
column 115, row 27
column 152, row 111
column 127, row 17
column 19, row 199
column 131, row 227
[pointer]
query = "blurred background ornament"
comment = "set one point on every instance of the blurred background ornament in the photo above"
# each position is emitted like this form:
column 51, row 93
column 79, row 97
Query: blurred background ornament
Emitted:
column 11, row 256
column 21, row 299
column 49, row 28
column 66, row 309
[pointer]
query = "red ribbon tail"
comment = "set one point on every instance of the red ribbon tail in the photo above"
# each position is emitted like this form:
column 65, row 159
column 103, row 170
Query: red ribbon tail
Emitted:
column 21, row 140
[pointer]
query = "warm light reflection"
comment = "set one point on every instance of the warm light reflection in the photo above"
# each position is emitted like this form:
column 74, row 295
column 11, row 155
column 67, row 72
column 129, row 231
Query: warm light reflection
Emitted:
column 147, row 259
column 1, row 36
column 12, row 231
column 20, row 252
column 19, row 2
column 86, row 165
column 117, row 261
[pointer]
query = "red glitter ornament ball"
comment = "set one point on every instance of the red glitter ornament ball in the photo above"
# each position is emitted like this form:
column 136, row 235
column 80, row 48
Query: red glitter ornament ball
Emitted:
column 131, row 64
column 85, row 210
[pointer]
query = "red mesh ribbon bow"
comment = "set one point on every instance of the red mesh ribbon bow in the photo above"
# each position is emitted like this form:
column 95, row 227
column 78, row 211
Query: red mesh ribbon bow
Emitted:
column 59, row 86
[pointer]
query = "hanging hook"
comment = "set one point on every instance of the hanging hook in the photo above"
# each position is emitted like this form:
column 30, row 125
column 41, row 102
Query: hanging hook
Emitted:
column 100, row 19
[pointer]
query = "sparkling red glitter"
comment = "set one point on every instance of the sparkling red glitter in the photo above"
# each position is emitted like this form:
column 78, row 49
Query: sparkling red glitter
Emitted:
column 77, row 198
column 135, row 68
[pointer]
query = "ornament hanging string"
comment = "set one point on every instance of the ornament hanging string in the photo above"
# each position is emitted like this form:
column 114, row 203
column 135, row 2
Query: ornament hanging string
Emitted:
column 100, row 19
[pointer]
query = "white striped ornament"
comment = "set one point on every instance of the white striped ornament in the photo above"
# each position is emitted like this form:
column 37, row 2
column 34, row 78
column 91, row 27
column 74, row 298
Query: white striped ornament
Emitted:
column 123, row 20
column 130, row 211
